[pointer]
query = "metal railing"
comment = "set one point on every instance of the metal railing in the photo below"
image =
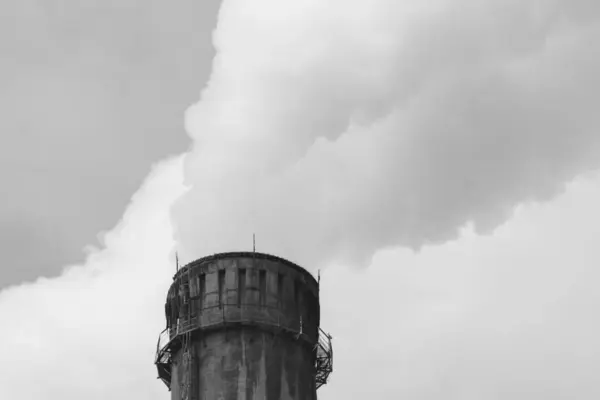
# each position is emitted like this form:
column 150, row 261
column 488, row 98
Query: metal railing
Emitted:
column 162, row 344
column 170, row 336
column 209, row 318
column 324, row 359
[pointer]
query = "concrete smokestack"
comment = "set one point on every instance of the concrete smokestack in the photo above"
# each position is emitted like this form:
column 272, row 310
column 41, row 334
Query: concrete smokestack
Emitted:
column 243, row 326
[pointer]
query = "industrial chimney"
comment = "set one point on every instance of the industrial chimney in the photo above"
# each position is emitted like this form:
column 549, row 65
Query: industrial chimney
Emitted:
column 243, row 326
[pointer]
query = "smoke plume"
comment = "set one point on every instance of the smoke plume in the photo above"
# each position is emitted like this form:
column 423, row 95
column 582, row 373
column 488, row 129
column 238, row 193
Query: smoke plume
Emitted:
column 91, row 332
column 333, row 129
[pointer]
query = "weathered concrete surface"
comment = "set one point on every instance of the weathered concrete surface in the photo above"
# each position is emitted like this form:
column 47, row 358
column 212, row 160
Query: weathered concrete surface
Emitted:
column 256, row 321
column 248, row 364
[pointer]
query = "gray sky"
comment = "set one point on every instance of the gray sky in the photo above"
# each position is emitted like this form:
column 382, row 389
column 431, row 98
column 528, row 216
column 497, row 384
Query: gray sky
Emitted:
column 92, row 94
column 351, row 133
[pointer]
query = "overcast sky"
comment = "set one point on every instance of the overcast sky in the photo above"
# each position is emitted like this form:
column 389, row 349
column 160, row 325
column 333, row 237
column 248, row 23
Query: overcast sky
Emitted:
column 92, row 94
column 438, row 162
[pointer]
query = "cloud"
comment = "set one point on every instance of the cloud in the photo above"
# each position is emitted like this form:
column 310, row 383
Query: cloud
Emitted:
column 511, row 315
column 508, row 316
column 333, row 129
column 91, row 332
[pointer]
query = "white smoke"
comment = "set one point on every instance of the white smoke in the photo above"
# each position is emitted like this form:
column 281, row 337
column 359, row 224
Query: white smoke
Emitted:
column 91, row 332
column 333, row 129
column 506, row 316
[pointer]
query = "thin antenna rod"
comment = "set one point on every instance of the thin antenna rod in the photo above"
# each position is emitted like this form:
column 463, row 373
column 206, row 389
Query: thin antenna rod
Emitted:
column 176, row 262
column 254, row 242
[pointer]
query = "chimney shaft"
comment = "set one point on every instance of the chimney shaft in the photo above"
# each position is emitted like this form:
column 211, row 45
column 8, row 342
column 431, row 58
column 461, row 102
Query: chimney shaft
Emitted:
column 243, row 326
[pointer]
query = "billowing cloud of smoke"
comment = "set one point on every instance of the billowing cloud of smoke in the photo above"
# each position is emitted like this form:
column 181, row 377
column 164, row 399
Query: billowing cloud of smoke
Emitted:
column 506, row 316
column 511, row 316
column 88, row 333
column 332, row 129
